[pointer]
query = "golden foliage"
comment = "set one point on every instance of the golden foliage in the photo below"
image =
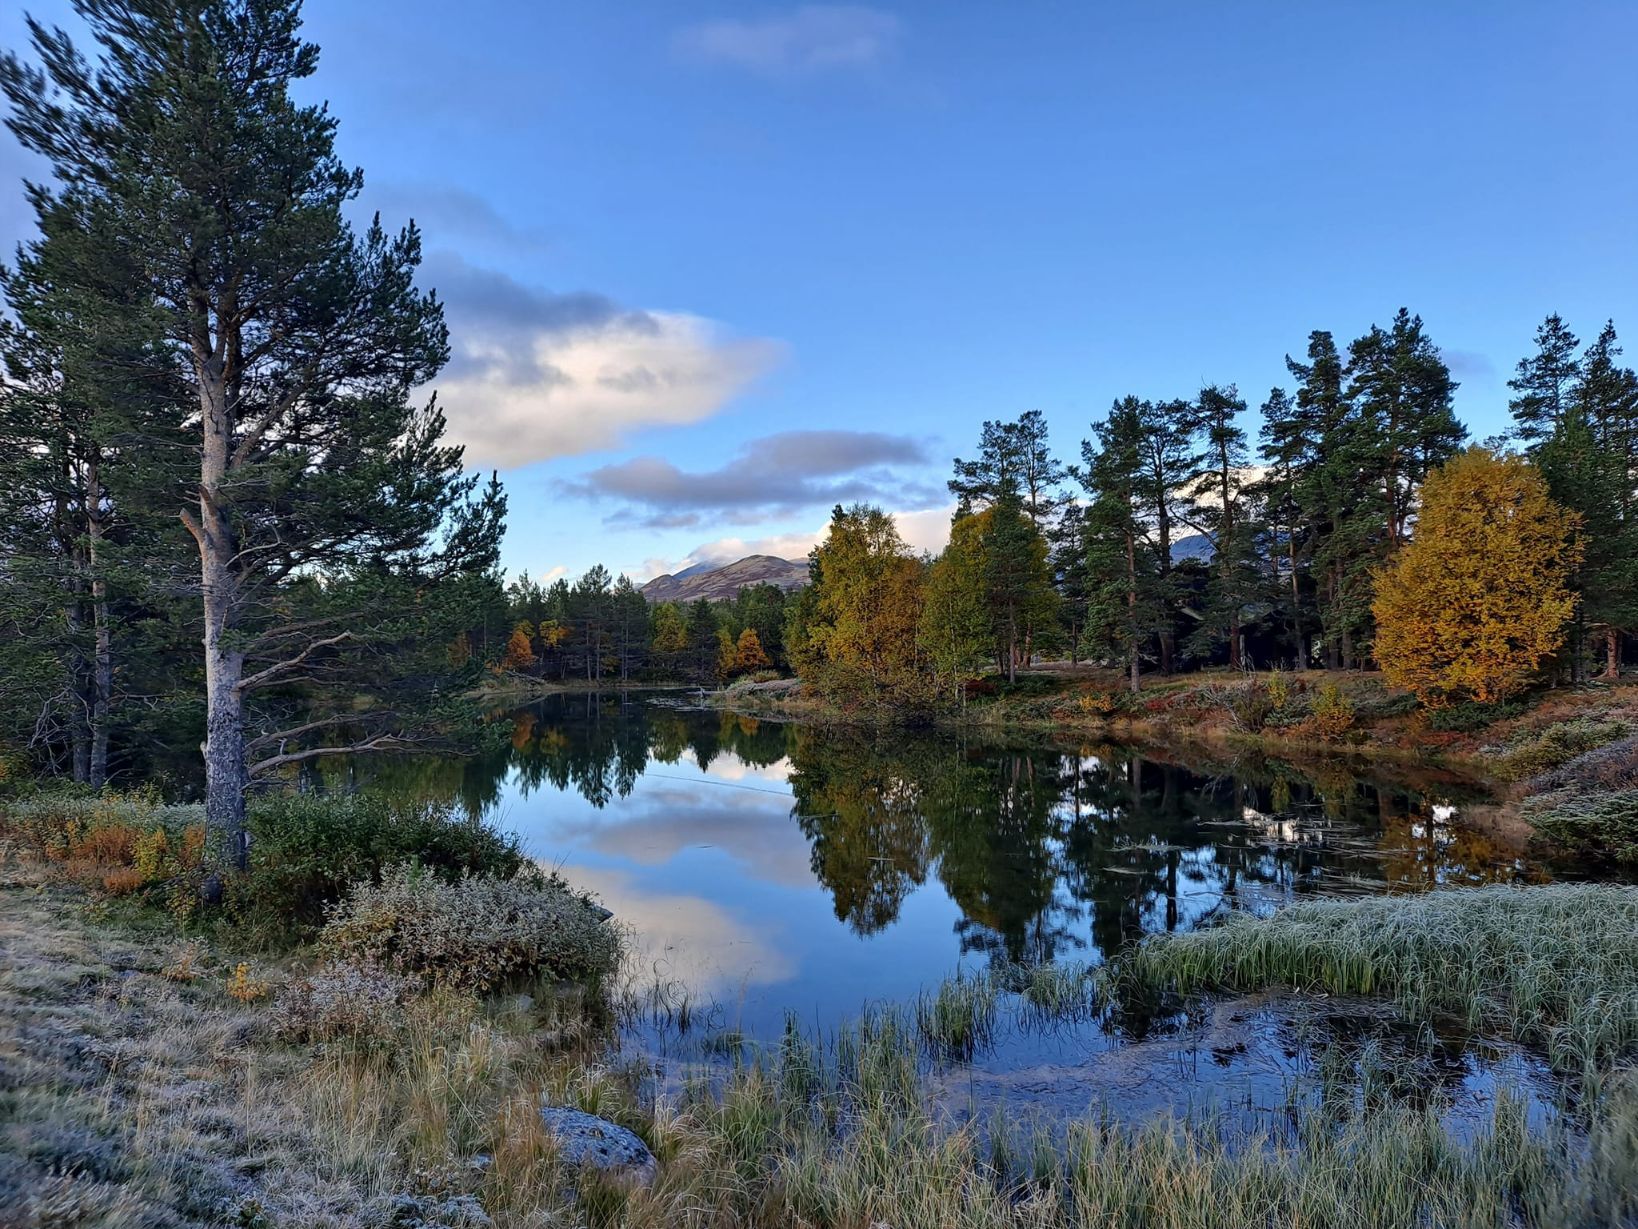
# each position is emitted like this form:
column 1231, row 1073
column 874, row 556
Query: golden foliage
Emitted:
column 520, row 650
column 243, row 987
column 1479, row 599
column 748, row 652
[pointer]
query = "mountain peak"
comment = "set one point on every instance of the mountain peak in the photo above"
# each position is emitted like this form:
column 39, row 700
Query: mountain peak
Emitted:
column 719, row 582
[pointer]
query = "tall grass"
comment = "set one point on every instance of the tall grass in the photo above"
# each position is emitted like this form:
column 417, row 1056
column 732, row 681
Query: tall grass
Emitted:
column 839, row 1135
column 1554, row 966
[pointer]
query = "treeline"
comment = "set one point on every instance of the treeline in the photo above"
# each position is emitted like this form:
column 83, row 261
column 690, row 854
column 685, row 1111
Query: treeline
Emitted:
column 1175, row 544
column 598, row 629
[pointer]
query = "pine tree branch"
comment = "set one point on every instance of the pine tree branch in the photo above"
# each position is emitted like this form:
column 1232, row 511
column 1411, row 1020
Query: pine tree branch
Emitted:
column 381, row 742
column 261, row 677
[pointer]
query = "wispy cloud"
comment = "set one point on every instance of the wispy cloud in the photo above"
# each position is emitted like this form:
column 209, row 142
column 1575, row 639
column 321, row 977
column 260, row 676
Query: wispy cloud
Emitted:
column 534, row 374
column 811, row 39
column 771, row 475
column 1470, row 365
column 451, row 212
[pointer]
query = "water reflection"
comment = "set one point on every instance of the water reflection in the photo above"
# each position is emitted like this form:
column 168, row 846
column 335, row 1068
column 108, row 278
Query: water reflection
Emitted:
column 790, row 867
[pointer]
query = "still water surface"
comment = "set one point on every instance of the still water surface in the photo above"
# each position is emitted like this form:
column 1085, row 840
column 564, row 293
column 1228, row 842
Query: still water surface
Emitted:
column 772, row 870
column 775, row 867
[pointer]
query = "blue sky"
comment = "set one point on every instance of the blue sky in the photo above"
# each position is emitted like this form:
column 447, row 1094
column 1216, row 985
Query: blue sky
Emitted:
column 711, row 267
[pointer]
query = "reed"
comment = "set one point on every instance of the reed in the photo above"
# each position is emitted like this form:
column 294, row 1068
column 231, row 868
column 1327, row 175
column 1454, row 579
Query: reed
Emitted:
column 1554, row 966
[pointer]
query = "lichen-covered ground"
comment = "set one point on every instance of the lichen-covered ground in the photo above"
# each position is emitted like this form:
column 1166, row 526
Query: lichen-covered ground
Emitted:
column 129, row 1097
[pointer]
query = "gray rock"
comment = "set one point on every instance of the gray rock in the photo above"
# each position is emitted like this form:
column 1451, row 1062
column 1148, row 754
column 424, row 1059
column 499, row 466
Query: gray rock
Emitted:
column 587, row 1141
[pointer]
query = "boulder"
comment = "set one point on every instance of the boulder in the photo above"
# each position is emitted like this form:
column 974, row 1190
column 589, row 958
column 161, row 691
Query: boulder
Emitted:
column 586, row 1141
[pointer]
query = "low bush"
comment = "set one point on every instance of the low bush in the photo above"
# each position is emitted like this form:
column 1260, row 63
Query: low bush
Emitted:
column 1469, row 716
column 478, row 932
column 341, row 1002
column 1330, row 718
column 306, row 851
column 1383, row 706
column 1613, row 766
column 1600, row 826
column 1558, row 745
column 121, row 842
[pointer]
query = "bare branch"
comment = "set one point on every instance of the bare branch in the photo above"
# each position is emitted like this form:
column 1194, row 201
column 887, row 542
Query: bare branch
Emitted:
column 296, row 731
column 277, row 668
column 381, row 742
column 192, row 525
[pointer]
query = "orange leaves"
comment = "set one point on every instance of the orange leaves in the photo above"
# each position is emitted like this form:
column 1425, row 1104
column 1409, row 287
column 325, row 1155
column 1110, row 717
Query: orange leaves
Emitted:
column 748, row 652
column 1479, row 598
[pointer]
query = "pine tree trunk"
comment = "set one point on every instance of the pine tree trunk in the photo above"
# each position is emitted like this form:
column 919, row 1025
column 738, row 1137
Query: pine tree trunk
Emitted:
column 102, row 666
column 1131, row 605
column 1612, row 654
column 225, row 777
column 79, row 723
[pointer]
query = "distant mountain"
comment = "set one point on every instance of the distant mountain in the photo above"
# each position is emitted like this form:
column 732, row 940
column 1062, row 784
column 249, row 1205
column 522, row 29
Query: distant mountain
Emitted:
column 1195, row 546
column 722, row 582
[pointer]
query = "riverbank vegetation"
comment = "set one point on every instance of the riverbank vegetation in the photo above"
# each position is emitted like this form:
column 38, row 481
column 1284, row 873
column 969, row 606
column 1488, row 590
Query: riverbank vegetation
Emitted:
column 176, row 1075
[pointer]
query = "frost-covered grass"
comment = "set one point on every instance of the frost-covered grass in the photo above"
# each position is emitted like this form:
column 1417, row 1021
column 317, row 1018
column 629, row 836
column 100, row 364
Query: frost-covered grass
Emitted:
column 1554, row 966
column 136, row 1090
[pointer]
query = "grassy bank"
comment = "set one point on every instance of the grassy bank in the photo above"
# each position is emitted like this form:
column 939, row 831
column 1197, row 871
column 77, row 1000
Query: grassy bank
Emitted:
column 169, row 1071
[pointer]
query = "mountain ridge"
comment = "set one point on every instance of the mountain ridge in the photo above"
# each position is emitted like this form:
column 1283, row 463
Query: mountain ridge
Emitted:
column 722, row 582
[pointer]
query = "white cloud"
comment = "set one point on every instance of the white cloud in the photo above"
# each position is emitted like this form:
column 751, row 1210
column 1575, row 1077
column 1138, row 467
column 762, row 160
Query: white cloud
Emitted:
column 534, row 374
column 809, row 39
column 687, row 939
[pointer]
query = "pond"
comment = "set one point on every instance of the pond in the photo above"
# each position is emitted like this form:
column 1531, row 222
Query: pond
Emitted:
column 772, row 870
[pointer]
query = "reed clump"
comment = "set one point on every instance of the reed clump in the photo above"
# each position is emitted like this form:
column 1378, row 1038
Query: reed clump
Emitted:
column 1553, row 966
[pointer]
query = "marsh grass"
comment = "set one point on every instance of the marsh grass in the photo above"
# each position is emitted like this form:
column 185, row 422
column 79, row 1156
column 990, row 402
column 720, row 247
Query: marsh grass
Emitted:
column 958, row 1019
column 166, row 1102
column 1552, row 966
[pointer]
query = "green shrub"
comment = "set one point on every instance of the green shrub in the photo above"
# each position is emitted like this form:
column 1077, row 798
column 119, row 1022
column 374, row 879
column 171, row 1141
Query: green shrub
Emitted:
column 1378, row 707
column 1558, row 745
column 1332, row 716
column 306, row 851
column 1599, row 826
column 1469, row 716
column 477, row 932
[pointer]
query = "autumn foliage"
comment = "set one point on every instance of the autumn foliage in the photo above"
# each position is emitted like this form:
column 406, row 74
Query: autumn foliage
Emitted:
column 1478, row 600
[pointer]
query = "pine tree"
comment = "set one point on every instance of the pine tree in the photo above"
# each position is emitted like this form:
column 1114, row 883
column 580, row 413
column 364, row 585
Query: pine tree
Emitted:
column 1167, row 457
column 1400, row 391
column 1221, row 511
column 299, row 342
column 1286, row 451
column 1122, row 605
column 1544, row 382
column 1017, row 583
column 1586, row 462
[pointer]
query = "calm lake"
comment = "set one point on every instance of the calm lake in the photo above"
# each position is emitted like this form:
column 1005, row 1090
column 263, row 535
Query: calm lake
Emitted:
column 772, row 870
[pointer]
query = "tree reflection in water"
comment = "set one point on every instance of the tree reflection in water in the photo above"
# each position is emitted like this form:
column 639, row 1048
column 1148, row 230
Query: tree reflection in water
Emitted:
column 1049, row 852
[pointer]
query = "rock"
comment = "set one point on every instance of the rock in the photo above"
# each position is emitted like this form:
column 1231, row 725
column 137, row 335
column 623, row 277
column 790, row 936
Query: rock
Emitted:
column 586, row 1141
